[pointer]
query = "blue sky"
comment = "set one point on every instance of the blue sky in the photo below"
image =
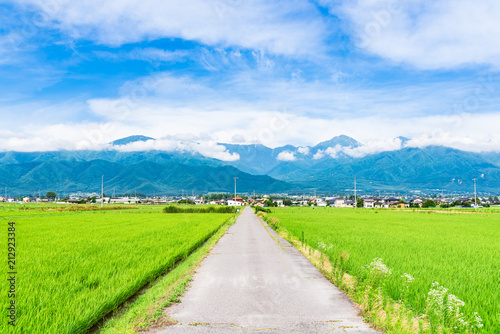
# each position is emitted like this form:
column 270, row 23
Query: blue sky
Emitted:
column 78, row 75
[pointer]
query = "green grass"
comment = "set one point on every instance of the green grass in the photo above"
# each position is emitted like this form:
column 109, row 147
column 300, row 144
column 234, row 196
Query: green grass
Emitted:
column 461, row 251
column 75, row 267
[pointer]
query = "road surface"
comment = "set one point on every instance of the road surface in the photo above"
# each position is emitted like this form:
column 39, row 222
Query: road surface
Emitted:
column 254, row 281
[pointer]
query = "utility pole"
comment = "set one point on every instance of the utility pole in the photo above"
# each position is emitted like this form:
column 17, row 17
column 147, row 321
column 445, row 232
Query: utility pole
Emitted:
column 235, row 178
column 475, row 196
column 102, row 191
column 355, row 195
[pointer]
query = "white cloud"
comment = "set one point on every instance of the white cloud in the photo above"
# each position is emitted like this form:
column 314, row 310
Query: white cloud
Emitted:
column 372, row 147
column 429, row 35
column 94, row 136
column 333, row 151
column 488, row 142
column 251, row 111
column 238, row 139
column 293, row 28
column 465, row 131
column 9, row 48
column 476, row 133
column 318, row 155
column 304, row 150
column 286, row 156
column 207, row 148
column 146, row 54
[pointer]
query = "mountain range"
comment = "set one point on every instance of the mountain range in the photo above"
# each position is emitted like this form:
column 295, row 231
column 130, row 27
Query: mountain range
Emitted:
column 329, row 166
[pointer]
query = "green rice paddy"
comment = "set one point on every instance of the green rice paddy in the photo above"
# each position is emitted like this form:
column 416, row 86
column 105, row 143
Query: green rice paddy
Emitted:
column 74, row 267
column 460, row 251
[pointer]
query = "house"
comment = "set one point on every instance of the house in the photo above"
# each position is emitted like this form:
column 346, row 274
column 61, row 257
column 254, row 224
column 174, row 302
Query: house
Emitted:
column 279, row 203
column 339, row 203
column 320, row 202
column 303, row 202
column 391, row 202
column 259, row 202
column 369, row 202
column 349, row 204
column 379, row 203
column 464, row 200
column 416, row 202
column 124, row 200
column 232, row 202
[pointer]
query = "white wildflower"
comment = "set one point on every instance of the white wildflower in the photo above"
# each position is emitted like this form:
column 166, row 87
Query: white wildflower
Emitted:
column 478, row 321
column 454, row 305
column 377, row 269
column 447, row 306
column 409, row 278
column 436, row 298
column 406, row 284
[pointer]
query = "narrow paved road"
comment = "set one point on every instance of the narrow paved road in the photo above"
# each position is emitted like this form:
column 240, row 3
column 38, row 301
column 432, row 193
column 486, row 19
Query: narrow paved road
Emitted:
column 255, row 281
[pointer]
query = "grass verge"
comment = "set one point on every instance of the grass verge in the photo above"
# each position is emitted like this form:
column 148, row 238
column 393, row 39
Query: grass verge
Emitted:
column 146, row 310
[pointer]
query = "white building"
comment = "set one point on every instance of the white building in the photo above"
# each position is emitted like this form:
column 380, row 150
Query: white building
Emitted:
column 125, row 200
column 369, row 202
column 232, row 202
column 339, row 203
column 320, row 202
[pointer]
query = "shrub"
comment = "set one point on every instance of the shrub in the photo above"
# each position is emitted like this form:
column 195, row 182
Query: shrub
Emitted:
column 429, row 204
column 261, row 209
column 198, row 209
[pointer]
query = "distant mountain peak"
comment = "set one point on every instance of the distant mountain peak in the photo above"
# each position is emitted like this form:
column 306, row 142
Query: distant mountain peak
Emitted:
column 130, row 139
column 342, row 140
column 404, row 140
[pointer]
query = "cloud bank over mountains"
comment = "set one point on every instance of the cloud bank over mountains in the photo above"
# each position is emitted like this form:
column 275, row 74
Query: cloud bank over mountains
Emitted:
column 209, row 147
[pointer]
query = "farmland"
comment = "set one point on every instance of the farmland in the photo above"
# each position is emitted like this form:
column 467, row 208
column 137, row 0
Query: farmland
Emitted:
column 74, row 267
column 460, row 251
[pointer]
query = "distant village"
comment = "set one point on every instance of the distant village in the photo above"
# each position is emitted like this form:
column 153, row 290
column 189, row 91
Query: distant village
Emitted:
column 274, row 200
